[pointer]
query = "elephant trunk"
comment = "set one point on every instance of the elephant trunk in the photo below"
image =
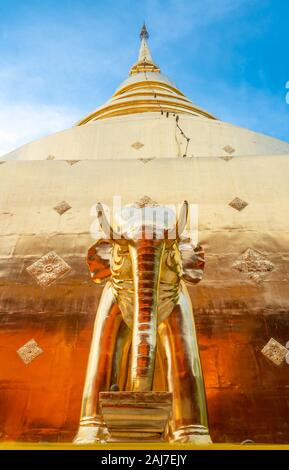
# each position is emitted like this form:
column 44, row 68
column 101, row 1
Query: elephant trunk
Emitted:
column 146, row 258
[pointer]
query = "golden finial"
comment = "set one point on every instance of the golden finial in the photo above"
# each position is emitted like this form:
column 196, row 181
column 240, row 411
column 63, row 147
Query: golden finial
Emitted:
column 145, row 62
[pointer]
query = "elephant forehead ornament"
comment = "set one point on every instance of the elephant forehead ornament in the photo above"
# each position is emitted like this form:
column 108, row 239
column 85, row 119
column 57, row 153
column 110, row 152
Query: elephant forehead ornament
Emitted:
column 145, row 311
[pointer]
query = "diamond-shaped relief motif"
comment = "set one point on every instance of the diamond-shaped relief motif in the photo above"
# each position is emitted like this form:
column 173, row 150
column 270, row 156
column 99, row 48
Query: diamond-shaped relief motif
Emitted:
column 145, row 160
column 62, row 207
column 229, row 149
column 137, row 145
column 274, row 351
column 72, row 162
column 254, row 264
column 29, row 351
column 227, row 158
column 238, row 204
column 145, row 201
column 10, row 214
column 48, row 269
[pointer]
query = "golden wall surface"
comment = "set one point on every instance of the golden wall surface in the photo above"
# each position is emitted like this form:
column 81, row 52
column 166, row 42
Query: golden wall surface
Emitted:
column 239, row 305
column 150, row 135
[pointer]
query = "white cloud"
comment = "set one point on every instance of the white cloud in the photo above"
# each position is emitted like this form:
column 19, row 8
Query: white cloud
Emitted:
column 23, row 122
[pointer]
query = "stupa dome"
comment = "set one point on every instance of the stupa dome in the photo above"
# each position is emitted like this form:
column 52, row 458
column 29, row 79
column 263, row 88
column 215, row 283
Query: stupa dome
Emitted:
column 148, row 108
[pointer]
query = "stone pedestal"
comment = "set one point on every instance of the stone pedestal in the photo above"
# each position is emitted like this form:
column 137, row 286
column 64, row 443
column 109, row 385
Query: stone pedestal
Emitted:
column 136, row 416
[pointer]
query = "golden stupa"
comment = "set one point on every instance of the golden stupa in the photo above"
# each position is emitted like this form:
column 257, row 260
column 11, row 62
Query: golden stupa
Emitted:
column 149, row 146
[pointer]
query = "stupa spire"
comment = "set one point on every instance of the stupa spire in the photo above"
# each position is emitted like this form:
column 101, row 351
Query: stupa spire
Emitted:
column 144, row 32
column 145, row 91
column 145, row 62
column 144, row 51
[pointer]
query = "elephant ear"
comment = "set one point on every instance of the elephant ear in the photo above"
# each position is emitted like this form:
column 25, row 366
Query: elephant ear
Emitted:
column 193, row 260
column 98, row 260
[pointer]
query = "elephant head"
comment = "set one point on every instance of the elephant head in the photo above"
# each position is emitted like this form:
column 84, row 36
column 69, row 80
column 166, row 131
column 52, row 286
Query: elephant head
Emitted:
column 145, row 261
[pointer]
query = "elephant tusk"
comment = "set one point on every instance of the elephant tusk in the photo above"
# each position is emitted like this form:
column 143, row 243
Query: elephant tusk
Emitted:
column 176, row 231
column 105, row 226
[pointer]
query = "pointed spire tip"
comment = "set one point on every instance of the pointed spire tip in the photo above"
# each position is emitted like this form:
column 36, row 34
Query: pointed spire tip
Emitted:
column 145, row 62
column 144, row 32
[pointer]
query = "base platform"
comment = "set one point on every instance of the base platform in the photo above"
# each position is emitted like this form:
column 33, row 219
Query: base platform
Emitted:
column 136, row 416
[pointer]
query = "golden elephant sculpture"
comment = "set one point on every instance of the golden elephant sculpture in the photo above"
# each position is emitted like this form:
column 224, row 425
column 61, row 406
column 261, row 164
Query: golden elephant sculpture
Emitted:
column 145, row 312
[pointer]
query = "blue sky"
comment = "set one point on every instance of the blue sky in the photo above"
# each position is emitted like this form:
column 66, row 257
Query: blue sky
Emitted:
column 61, row 59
